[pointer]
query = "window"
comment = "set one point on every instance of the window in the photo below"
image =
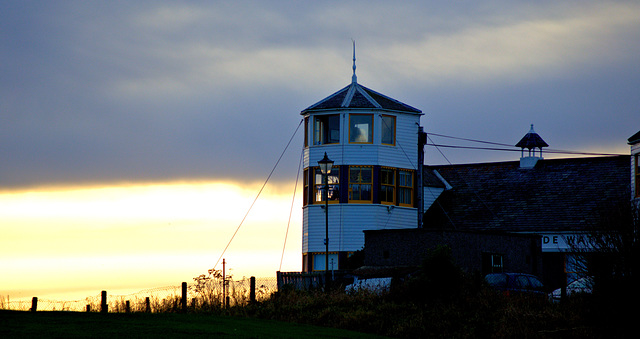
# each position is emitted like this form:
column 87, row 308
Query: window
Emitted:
column 405, row 188
column 326, row 129
column 306, row 132
column 361, row 128
column 637, row 172
column 305, row 190
column 388, row 130
column 496, row 263
column 387, row 186
column 360, row 183
column 333, row 180
column 319, row 261
column 492, row 263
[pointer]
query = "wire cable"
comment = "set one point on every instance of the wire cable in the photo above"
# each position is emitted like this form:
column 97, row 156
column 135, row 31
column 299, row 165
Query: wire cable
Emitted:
column 258, row 195
column 286, row 235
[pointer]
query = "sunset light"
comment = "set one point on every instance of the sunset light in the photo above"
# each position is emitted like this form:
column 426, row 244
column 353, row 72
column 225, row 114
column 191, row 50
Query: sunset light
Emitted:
column 61, row 240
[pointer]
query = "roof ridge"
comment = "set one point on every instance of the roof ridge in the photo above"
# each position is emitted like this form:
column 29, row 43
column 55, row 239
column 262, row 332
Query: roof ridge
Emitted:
column 368, row 97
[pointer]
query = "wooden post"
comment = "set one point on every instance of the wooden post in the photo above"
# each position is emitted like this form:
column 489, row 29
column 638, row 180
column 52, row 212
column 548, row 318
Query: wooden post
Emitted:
column 127, row 307
column 147, row 305
column 103, row 304
column 183, row 301
column 88, row 308
column 34, row 304
column 224, row 282
column 252, row 292
column 279, row 278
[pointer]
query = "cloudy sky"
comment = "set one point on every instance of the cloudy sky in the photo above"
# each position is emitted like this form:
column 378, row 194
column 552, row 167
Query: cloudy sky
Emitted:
column 111, row 91
column 99, row 93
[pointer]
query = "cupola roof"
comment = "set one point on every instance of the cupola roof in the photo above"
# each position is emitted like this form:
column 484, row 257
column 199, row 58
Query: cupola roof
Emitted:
column 531, row 140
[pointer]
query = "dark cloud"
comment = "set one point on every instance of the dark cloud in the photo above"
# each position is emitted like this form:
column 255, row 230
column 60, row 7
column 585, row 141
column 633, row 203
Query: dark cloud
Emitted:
column 147, row 91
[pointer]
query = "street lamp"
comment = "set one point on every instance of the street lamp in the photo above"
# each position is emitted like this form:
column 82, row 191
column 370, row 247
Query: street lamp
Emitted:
column 325, row 168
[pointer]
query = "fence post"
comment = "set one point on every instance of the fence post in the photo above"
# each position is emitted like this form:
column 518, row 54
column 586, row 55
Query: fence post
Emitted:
column 34, row 304
column 103, row 304
column 279, row 280
column 183, row 301
column 127, row 307
column 147, row 305
column 88, row 308
column 252, row 292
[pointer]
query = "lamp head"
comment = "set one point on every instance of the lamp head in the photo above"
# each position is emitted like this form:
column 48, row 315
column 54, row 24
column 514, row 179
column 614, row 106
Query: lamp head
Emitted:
column 325, row 164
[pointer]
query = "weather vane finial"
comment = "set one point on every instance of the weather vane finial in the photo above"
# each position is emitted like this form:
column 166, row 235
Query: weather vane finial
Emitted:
column 354, row 78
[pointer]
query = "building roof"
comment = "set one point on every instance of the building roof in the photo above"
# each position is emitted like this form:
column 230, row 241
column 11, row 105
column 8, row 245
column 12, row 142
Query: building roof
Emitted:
column 359, row 97
column 634, row 139
column 556, row 195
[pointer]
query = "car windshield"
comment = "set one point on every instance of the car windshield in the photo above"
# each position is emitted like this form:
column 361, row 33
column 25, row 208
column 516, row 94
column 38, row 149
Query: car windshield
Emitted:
column 522, row 281
column 535, row 283
column 498, row 280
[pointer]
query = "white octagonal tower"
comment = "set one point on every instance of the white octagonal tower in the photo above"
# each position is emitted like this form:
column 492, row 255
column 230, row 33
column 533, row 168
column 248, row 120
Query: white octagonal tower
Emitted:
column 373, row 141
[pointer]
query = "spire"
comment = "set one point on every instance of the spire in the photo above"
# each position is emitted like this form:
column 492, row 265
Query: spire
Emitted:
column 354, row 78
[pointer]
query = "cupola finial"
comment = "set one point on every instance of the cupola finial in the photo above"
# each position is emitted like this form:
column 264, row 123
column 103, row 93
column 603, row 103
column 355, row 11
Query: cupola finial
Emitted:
column 354, row 78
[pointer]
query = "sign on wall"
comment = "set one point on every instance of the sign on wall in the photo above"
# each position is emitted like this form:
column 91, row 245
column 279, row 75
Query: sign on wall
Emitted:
column 565, row 242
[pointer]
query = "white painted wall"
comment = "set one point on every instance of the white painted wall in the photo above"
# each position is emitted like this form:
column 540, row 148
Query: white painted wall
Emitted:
column 347, row 223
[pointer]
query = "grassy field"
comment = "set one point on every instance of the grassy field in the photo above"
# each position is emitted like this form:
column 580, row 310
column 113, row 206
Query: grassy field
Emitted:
column 17, row 324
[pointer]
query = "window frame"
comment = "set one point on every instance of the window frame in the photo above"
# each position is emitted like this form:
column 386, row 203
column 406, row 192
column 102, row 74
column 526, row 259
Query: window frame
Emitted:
column 383, row 128
column 322, row 131
column 392, row 186
column 402, row 188
column 496, row 267
column 306, row 198
column 306, row 132
column 489, row 264
column 370, row 132
column 318, row 259
column 360, row 184
column 637, row 174
column 333, row 187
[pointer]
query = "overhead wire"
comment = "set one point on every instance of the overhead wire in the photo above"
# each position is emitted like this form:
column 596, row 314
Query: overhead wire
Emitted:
column 259, row 192
column 295, row 187
column 510, row 149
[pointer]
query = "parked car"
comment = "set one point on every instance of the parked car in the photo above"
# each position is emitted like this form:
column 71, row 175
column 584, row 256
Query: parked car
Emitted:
column 582, row 285
column 515, row 283
column 374, row 285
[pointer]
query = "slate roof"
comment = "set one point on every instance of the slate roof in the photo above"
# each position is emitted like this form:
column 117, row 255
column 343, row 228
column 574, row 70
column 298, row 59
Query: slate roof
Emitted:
column 357, row 96
column 556, row 195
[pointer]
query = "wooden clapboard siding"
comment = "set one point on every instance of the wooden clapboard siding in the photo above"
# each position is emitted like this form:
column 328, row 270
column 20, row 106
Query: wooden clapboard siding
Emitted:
column 430, row 195
column 347, row 223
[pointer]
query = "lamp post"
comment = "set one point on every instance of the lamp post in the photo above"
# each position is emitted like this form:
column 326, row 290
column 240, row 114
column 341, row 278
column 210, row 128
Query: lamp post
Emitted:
column 325, row 168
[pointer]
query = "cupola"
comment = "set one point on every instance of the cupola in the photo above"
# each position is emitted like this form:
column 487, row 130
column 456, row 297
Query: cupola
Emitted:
column 531, row 141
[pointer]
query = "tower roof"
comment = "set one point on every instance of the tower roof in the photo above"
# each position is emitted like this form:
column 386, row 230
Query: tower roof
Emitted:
column 531, row 140
column 634, row 139
column 357, row 96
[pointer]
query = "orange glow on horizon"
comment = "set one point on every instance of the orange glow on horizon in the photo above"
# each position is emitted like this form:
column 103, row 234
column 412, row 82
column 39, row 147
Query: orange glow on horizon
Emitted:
column 142, row 235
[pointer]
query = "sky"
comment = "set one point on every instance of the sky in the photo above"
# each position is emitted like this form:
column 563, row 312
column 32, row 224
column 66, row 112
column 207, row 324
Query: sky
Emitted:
column 135, row 136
